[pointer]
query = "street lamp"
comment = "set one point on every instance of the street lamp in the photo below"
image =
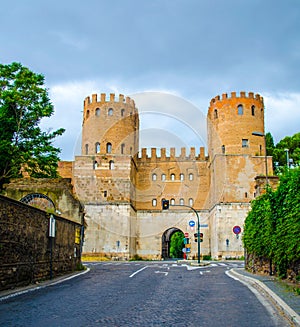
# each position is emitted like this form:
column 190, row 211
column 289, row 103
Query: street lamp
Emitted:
column 287, row 158
column 266, row 159
column 165, row 206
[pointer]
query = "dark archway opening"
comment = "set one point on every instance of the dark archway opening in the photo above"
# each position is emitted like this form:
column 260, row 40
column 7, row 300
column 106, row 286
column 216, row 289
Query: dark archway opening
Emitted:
column 39, row 200
column 172, row 243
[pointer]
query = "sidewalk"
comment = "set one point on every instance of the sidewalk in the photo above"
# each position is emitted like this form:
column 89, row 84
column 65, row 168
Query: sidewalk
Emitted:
column 276, row 290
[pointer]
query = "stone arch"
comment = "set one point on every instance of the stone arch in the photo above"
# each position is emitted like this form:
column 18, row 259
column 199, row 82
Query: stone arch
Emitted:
column 165, row 241
column 39, row 200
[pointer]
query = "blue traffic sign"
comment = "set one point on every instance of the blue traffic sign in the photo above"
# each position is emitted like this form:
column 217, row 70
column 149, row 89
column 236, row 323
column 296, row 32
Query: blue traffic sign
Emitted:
column 192, row 223
column 236, row 230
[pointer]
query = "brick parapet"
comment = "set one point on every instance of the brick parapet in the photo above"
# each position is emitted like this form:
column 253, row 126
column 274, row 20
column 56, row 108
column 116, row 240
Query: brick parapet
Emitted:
column 233, row 95
column 105, row 99
column 183, row 156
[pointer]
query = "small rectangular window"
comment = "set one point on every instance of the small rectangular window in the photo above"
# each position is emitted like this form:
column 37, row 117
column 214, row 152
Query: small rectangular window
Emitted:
column 245, row 143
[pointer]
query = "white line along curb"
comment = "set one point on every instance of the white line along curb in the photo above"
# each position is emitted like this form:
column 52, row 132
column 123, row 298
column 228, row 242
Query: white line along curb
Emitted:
column 35, row 288
column 290, row 313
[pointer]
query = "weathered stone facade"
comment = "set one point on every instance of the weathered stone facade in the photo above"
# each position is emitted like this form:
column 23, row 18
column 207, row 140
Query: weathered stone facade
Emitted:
column 27, row 253
column 58, row 191
column 121, row 189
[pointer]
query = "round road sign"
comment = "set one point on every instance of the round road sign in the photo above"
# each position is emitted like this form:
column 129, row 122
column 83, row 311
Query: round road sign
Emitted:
column 192, row 223
column 236, row 230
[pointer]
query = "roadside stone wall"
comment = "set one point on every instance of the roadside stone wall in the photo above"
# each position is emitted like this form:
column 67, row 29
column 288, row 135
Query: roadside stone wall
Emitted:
column 261, row 265
column 25, row 246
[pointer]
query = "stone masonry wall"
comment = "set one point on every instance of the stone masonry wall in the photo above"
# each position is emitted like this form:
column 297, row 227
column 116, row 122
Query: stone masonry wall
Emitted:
column 25, row 246
column 59, row 190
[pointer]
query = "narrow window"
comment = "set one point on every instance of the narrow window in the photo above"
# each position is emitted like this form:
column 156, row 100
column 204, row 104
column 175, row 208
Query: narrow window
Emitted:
column 97, row 112
column 122, row 112
column 122, row 148
column 181, row 177
column 246, row 195
column 172, row 202
column 191, row 202
column 86, row 149
column 111, row 165
column 108, row 148
column 240, row 109
column 223, row 149
column 95, row 164
column 163, row 177
column 181, row 201
column 215, row 113
column 154, row 203
column 172, row 177
column 110, row 111
column 131, row 150
column 253, row 110
column 87, row 114
column 245, row 143
column 191, row 176
column 105, row 194
column 154, row 177
column 97, row 147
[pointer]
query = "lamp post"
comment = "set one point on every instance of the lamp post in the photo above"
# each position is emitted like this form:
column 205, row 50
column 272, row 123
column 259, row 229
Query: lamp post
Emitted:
column 198, row 226
column 266, row 159
column 287, row 158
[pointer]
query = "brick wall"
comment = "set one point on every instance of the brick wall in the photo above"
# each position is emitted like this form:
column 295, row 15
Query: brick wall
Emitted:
column 25, row 248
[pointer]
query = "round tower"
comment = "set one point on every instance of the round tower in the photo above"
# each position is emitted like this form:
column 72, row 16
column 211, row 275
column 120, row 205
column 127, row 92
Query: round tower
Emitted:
column 232, row 120
column 110, row 126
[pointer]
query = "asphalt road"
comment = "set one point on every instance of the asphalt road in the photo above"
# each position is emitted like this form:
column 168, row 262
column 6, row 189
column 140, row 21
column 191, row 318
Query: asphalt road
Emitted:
column 143, row 294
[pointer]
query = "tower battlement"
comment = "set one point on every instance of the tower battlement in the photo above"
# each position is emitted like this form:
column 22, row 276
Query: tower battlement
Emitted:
column 105, row 98
column 234, row 95
column 153, row 157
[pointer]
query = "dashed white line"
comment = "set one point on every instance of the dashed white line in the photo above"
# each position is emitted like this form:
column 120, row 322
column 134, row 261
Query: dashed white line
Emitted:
column 162, row 272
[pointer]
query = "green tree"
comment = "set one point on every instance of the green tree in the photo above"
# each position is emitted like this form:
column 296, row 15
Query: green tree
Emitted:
column 270, row 144
column 176, row 245
column 259, row 227
column 286, row 212
column 24, row 101
column 272, row 227
column 290, row 144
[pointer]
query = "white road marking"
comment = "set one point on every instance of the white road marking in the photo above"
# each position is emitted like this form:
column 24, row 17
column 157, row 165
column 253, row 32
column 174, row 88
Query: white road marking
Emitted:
column 205, row 271
column 190, row 267
column 161, row 272
column 138, row 271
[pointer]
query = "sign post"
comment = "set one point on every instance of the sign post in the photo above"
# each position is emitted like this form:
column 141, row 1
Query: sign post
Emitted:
column 51, row 236
column 236, row 230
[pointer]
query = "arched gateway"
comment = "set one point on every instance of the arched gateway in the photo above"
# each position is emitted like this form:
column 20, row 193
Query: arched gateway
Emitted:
column 166, row 237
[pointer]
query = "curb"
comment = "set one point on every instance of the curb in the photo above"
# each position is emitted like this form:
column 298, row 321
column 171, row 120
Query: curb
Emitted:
column 276, row 300
column 31, row 288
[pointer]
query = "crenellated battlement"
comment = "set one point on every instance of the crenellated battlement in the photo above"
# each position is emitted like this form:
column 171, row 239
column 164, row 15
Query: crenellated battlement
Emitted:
column 105, row 98
column 234, row 95
column 160, row 154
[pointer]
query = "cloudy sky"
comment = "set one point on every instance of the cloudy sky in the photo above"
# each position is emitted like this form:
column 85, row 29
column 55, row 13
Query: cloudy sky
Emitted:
column 187, row 50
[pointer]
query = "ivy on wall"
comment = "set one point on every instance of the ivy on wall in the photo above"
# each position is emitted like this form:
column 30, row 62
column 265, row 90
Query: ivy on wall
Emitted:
column 272, row 227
